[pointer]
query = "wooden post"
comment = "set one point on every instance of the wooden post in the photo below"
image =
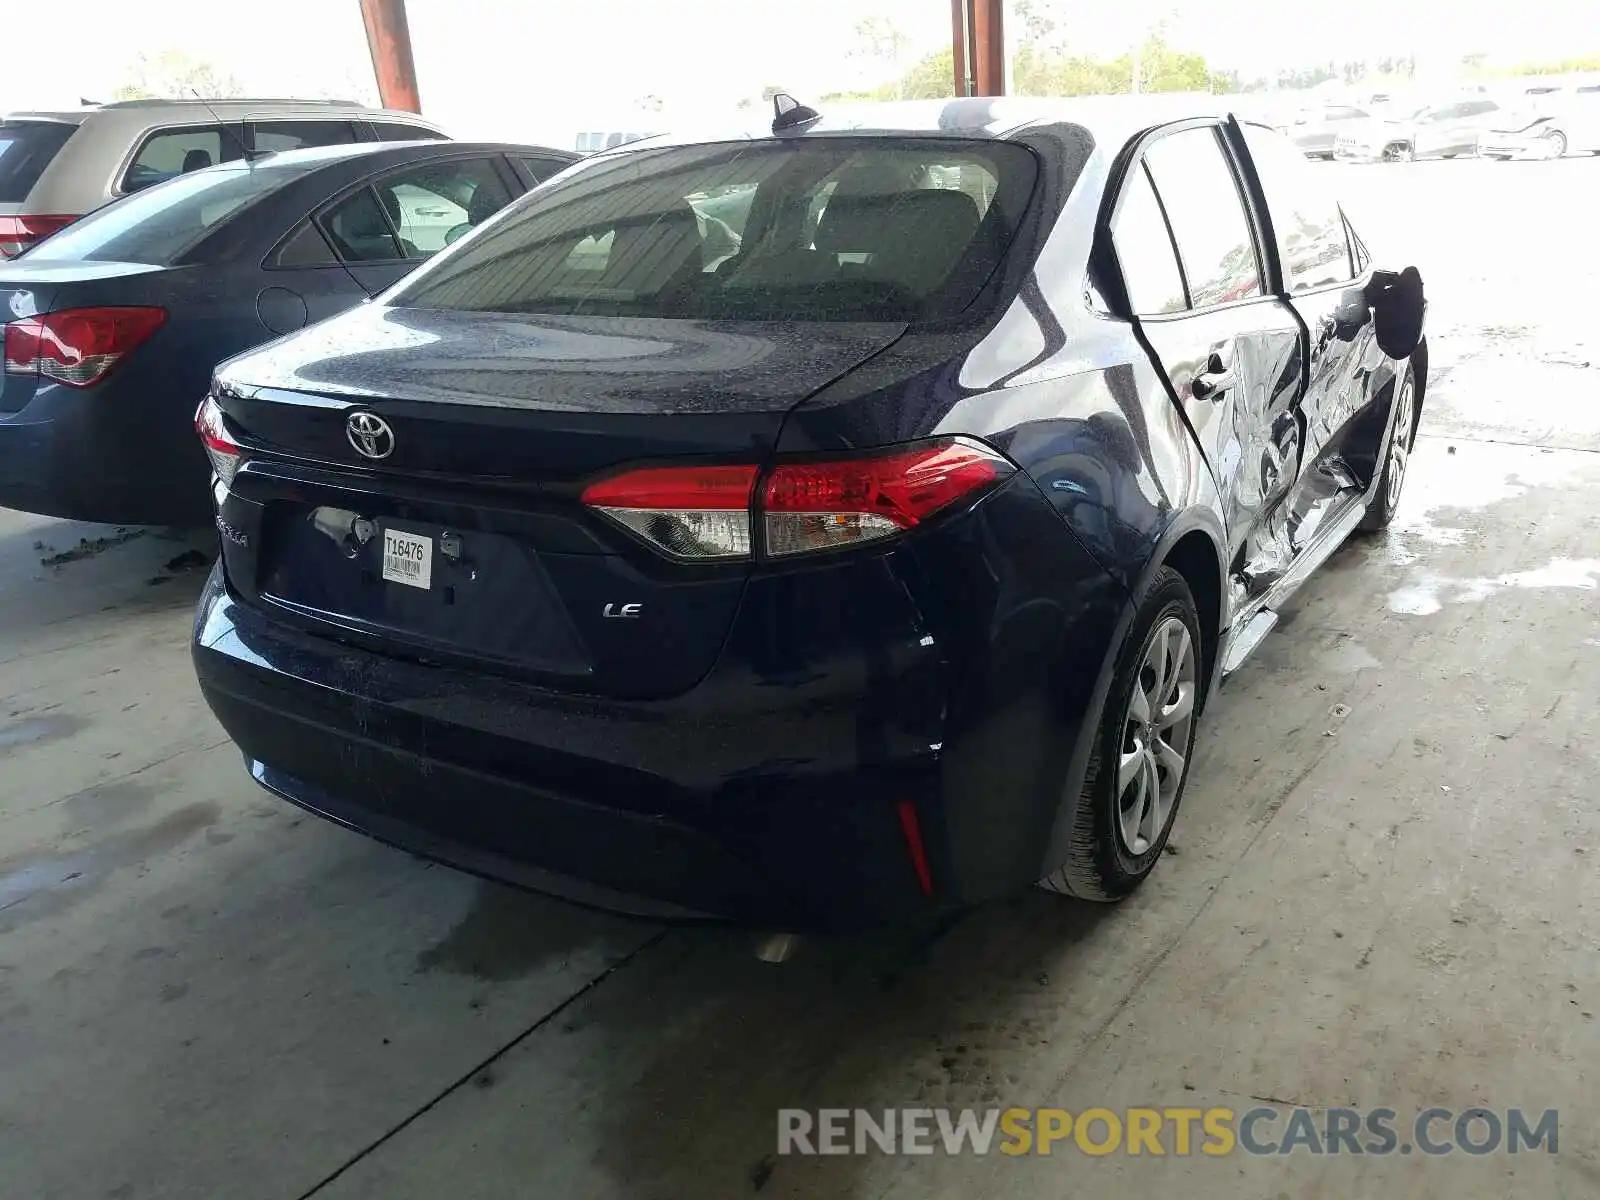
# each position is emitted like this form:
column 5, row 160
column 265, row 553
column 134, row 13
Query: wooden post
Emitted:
column 389, row 42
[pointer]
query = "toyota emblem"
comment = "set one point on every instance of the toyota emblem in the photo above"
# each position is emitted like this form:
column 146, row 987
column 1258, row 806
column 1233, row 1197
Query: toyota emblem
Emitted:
column 369, row 434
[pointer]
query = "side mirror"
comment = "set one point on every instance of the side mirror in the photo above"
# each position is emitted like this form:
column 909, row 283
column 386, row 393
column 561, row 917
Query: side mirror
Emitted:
column 1398, row 305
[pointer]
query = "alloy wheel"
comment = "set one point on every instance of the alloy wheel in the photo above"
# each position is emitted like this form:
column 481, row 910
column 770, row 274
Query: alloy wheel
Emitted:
column 1557, row 142
column 1400, row 442
column 1155, row 736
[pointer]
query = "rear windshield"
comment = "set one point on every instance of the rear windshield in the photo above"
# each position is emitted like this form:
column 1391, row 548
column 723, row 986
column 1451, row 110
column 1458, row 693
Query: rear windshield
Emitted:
column 816, row 229
column 26, row 148
column 158, row 224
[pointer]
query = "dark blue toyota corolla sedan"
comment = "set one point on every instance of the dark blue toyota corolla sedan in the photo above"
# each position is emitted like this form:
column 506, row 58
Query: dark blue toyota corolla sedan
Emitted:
column 828, row 526
column 111, row 327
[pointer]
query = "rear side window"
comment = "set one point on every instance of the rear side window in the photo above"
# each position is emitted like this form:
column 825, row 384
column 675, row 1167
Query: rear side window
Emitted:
column 1144, row 250
column 359, row 231
column 293, row 135
column 173, row 152
column 26, row 148
column 1305, row 219
column 816, row 230
column 1208, row 219
column 397, row 131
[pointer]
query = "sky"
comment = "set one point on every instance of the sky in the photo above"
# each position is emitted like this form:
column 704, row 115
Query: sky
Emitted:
column 538, row 70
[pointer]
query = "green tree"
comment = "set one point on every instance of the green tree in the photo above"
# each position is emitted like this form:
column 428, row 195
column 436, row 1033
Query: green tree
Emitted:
column 932, row 78
column 172, row 74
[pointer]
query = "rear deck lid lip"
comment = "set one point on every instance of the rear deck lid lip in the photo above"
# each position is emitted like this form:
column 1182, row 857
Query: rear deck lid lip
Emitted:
column 653, row 365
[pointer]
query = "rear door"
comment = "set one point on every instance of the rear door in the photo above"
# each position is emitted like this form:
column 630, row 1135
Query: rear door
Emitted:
column 1230, row 350
column 385, row 228
column 1322, row 280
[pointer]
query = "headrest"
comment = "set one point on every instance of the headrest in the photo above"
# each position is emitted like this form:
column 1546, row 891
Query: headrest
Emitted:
column 485, row 202
column 935, row 217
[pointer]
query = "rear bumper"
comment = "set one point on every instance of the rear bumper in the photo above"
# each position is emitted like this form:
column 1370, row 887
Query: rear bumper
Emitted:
column 102, row 454
column 772, row 792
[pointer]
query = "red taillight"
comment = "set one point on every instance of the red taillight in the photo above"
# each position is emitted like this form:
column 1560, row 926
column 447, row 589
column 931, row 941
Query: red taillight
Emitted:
column 823, row 505
column 19, row 233
column 704, row 512
column 225, row 453
column 77, row 346
column 690, row 512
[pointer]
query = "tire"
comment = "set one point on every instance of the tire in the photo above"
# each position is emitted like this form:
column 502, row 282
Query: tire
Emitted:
column 1102, row 865
column 1398, row 152
column 1385, row 500
column 1557, row 141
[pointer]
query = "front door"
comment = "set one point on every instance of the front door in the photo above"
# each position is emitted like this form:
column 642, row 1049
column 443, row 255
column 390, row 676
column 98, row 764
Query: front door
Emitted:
column 1324, row 278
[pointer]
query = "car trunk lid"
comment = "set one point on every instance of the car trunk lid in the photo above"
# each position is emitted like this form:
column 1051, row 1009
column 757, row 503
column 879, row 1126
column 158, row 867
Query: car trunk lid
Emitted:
column 465, row 539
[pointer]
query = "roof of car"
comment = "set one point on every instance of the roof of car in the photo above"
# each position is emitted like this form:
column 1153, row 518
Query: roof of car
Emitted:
column 314, row 156
column 167, row 109
column 1108, row 118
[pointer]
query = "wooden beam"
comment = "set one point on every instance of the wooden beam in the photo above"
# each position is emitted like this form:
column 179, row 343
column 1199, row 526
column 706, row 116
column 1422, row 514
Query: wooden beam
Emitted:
column 389, row 42
column 988, row 47
column 978, row 46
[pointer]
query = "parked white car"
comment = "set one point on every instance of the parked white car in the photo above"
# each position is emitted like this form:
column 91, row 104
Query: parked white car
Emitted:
column 1446, row 130
column 1550, row 126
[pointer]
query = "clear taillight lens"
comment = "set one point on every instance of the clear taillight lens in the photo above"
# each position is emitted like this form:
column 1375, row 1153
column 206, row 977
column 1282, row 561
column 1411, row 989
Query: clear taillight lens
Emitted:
column 827, row 505
column 697, row 513
column 77, row 346
column 225, row 453
column 705, row 513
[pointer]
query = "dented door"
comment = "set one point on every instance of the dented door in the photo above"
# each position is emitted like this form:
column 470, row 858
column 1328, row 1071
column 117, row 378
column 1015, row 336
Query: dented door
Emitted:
column 1233, row 355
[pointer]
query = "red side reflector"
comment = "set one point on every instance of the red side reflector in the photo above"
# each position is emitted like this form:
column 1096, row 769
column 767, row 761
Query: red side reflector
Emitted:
column 912, row 830
column 77, row 346
column 19, row 233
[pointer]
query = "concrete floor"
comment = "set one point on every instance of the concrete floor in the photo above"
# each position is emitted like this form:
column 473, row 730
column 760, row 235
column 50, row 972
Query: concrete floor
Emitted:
column 1385, row 889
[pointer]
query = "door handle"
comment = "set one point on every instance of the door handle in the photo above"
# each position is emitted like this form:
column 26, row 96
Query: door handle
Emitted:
column 1217, row 378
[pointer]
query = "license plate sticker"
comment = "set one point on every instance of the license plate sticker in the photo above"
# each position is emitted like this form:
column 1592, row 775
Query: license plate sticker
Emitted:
column 407, row 558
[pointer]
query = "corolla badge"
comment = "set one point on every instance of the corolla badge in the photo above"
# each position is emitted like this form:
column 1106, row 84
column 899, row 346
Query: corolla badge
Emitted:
column 369, row 434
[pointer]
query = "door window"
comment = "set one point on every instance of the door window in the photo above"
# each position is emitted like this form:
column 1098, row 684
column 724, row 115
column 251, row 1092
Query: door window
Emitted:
column 542, row 168
column 173, row 152
column 1197, row 188
column 1305, row 219
column 292, row 135
column 1144, row 250
column 433, row 204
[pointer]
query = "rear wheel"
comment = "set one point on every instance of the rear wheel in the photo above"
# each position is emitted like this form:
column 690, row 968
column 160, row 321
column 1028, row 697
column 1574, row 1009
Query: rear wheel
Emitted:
column 1142, row 749
column 1397, row 152
column 1386, row 500
column 1555, row 144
